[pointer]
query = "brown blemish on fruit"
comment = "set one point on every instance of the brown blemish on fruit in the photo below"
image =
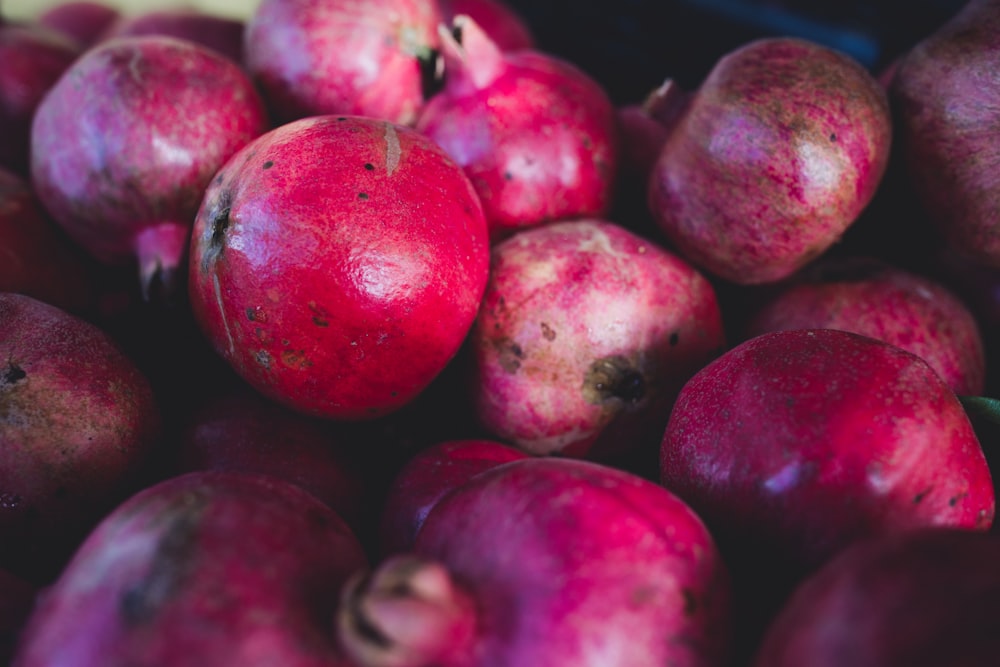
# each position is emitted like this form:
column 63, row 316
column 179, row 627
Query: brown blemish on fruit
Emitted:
column 363, row 196
column 954, row 500
column 320, row 322
column 264, row 359
column 548, row 333
column 613, row 377
column 295, row 359
column 12, row 374
column 170, row 565
column 921, row 495
column 268, row 164
column 369, row 166
column 393, row 152
column 510, row 355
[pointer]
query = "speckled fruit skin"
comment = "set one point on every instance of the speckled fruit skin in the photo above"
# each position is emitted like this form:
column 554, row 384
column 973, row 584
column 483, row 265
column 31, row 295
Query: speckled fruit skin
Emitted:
column 77, row 422
column 337, row 264
column 126, row 141
column 32, row 58
column 585, row 335
column 569, row 562
column 871, row 297
column 537, row 136
column 208, row 568
column 942, row 92
column 428, row 476
column 783, row 145
column 796, row 443
column 363, row 57
column 36, row 257
column 918, row 599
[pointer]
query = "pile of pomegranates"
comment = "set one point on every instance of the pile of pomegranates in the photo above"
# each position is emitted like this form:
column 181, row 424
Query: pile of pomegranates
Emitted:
column 352, row 333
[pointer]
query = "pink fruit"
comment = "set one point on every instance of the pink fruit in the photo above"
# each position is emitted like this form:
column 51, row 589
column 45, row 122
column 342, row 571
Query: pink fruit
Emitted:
column 83, row 21
column 32, row 58
column 779, row 151
column 219, row 33
column 427, row 477
column 498, row 19
column 546, row 561
column 644, row 128
column 584, row 337
column 38, row 260
column 364, row 57
column 241, row 430
column 211, row 568
column 942, row 92
column 337, row 263
column 537, row 136
column 796, row 443
column 921, row 598
column 77, row 422
column 871, row 297
column 127, row 140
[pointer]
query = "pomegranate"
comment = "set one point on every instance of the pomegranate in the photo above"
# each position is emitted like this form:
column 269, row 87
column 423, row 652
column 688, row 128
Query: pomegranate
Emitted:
column 923, row 597
column 241, row 430
column 585, row 335
column 212, row 568
column 546, row 561
column 498, row 19
column 37, row 258
column 942, row 92
column 871, row 297
column 83, row 21
column 796, row 443
column 32, row 58
column 427, row 477
column 223, row 34
column 778, row 152
column 337, row 263
column 364, row 57
column 536, row 136
column 126, row 141
column 77, row 422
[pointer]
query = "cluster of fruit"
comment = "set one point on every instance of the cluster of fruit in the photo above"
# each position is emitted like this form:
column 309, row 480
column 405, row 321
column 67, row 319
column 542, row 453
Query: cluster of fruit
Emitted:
column 369, row 334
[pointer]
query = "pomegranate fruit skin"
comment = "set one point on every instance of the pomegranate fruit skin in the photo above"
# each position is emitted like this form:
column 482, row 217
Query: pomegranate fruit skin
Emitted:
column 871, row 297
column 942, row 93
column 207, row 568
column 498, row 19
column 38, row 260
column 427, row 477
column 917, row 599
column 537, row 137
column 338, row 263
column 78, row 421
column 242, row 430
column 576, row 563
column 126, row 141
column 585, row 335
column 32, row 58
column 794, row 444
column 780, row 149
column 83, row 21
column 223, row 34
column 360, row 57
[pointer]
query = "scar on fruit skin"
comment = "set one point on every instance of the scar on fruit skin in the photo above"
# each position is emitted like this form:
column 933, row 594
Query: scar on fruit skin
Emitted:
column 392, row 149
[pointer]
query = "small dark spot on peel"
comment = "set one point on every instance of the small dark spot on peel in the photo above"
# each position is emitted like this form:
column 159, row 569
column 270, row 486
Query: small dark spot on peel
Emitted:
column 833, row 136
column 369, row 166
column 363, row 196
column 690, row 602
column 320, row 322
column 675, row 338
column 507, row 176
column 250, row 314
column 12, row 374
column 268, row 164
column 954, row 500
column 548, row 333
